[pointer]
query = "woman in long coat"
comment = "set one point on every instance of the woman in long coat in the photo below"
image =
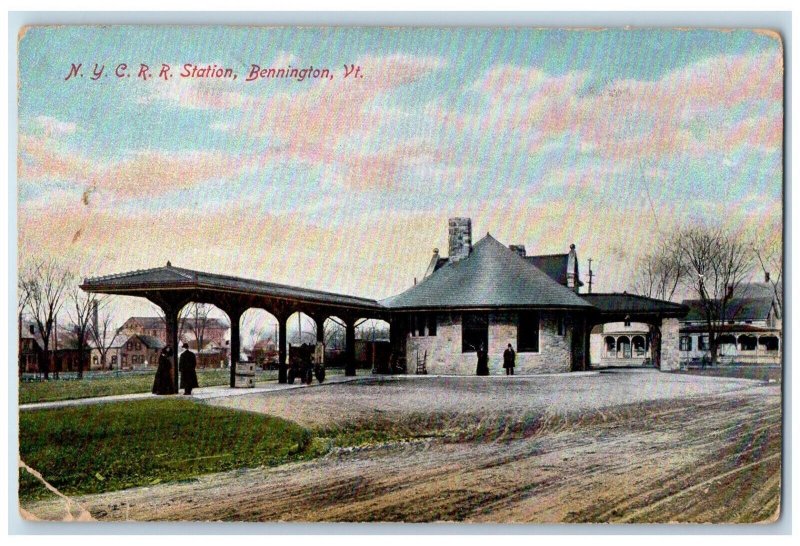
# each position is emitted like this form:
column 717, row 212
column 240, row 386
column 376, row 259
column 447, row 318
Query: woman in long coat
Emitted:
column 163, row 383
column 483, row 361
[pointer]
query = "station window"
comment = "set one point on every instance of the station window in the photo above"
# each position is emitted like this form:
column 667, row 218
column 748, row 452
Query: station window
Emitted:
column 419, row 324
column 474, row 332
column 528, row 332
column 432, row 324
column 686, row 343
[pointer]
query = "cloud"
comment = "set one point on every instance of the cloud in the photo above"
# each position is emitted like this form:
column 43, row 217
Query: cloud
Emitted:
column 143, row 173
column 55, row 127
column 720, row 104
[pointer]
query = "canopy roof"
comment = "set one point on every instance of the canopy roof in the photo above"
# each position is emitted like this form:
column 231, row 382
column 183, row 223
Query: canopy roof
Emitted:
column 634, row 305
column 173, row 279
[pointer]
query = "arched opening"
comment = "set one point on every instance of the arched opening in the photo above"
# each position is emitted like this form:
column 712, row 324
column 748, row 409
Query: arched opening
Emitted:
column 747, row 342
column 205, row 330
column 726, row 344
column 301, row 339
column 623, row 347
column 769, row 343
column 610, row 346
column 335, row 342
column 373, row 344
column 259, row 332
column 639, row 346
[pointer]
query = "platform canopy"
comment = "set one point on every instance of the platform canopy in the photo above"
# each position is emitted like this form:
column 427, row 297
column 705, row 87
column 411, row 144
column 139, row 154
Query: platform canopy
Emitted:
column 171, row 288
column 176, row 286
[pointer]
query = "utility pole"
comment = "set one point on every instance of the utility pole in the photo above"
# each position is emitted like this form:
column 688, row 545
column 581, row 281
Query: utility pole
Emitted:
column 591, row 275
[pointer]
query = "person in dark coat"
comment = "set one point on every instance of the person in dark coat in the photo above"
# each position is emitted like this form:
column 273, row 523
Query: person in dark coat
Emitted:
column 509, row 360
column 483, row 361
column 188, row 366
column 163, row 383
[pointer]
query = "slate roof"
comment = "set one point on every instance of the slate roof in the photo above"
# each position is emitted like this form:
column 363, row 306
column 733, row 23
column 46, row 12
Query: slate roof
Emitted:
column 738, row 309
column 157, row 323
column 36, row 336
column 554, row 265
column 492, row 276
column 117, row 340
column 633, row 304
column 170, row 276
column 151, row 342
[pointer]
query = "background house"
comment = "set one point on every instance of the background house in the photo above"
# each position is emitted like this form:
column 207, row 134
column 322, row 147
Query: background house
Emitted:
column 214, row 330
column 750, row 332
column 139, row 351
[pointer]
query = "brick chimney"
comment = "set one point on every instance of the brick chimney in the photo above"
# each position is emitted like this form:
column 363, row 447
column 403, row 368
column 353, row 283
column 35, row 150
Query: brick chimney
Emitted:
column 519, row 249
column 459, row 238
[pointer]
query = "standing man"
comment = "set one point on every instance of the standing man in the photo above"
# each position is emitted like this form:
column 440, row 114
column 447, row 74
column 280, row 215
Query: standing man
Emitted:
column 509, row 360
column 188, row 364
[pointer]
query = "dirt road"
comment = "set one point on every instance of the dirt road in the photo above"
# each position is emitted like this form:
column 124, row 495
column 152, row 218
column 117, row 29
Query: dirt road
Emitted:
column 705, row 451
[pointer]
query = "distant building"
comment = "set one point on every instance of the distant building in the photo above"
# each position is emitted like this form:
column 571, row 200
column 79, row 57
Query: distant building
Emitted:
column 749, row 333
column 623, row 343
column 139, row 351
column 214, row 330
column 210, row 355
column 265, row 353
column 31, row 348
column 113, row 354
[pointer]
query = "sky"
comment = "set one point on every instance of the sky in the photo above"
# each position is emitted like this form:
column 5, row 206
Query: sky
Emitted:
column 544, row 137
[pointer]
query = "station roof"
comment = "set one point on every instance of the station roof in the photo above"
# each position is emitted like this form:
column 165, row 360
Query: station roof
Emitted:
column 491, row 277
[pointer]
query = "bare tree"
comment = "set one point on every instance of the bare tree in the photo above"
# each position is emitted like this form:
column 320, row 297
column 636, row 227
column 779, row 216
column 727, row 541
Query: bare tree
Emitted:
column 196, row 319
column 46, row 283
column 102, row 332
column 660, row 272
column 334, row 337
column 182, row 323
column 82, row 309
column 658, row 275
column 718, row 262
column 768, row 250
column 23, row 299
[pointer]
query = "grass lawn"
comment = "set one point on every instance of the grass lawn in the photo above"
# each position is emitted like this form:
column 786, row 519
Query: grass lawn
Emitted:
column 105, row 447
column 49, row 391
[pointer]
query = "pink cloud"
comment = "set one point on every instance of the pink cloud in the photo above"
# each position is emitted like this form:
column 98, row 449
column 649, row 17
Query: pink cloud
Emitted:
column 53, row 126
column 144, row 173
column 627, row 118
